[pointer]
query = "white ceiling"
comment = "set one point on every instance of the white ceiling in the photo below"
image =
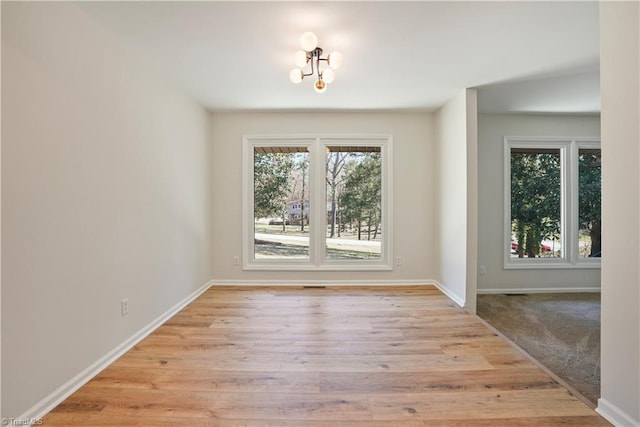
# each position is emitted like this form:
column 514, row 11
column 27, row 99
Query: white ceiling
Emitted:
column 524, row 56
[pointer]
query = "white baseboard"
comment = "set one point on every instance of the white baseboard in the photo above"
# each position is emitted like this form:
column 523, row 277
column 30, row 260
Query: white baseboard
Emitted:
column 47, row 404
column 453, row 297
column 615, row 415
column 554, row 290
column 429, row 282
column 322, row 282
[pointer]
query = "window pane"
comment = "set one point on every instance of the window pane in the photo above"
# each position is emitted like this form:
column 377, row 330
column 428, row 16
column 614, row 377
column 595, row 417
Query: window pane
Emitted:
column 589, row 187
column 281, row 202
column 535, row 203
column 354, row 203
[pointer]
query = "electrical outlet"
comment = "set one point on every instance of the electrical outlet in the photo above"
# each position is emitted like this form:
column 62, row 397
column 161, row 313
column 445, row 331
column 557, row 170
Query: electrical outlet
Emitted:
column 398, row 260
column 124, row 307
column 483, row 270
column 236, row 260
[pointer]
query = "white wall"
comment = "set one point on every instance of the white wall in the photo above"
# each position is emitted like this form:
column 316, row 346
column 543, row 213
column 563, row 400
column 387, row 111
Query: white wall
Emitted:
column 620, row 316
column 472, row 199
column 456, row 197
column 0, row 238
column 105, row 195
column 413, row 189
column 492, row 130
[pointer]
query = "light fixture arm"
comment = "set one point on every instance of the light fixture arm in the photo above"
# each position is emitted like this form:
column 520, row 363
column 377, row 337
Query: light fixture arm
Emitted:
column 314, row 57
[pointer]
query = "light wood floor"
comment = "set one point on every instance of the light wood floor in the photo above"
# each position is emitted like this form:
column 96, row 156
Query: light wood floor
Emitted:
column 323, row 357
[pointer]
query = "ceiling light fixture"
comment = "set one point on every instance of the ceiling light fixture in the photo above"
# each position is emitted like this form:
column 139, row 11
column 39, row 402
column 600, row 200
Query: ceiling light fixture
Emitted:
column 312, row 54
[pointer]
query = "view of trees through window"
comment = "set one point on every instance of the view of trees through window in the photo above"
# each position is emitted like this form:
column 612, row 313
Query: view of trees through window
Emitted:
column 537, row 198
column 354, row 202
column 283, row 201
column 281, row 205
column 535, row 202
column 589, row 222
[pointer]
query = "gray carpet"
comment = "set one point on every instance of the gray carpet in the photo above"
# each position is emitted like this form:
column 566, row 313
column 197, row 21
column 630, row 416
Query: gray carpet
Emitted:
column 561, row 331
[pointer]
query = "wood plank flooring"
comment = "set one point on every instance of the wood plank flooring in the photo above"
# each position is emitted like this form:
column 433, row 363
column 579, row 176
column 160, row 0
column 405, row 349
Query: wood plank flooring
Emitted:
column 365, row 356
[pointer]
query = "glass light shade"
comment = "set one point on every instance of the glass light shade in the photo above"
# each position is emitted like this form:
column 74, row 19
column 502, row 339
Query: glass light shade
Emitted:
column 295, row 75
column 328, row 75
column 335, row 60
column 320, row 86
column 301, row 58
column 308, row 41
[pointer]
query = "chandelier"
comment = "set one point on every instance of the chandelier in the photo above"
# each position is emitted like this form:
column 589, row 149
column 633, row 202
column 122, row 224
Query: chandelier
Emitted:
column 312, row 55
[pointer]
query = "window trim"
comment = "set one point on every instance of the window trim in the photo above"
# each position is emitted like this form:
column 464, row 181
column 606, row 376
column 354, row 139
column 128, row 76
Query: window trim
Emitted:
column 317, row 260
column 568, row 202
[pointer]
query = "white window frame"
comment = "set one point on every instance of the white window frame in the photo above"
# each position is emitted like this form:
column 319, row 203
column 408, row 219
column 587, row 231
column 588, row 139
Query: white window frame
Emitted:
column 317, row 146
column 568, row 202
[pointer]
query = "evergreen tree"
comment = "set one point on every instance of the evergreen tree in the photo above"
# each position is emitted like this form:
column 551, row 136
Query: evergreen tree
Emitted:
column 535, row 199
column 589, row 203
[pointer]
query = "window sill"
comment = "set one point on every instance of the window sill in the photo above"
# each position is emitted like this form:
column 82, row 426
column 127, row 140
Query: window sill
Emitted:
column 335, row 266
column 537, row 264
column 327, row 267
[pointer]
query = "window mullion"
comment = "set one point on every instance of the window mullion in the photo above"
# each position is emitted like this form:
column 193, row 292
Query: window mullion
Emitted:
column 506, row 177
column 318, row 229
column 387, row 205
column 572, row 200
column 565, row 205
column 247, row 203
